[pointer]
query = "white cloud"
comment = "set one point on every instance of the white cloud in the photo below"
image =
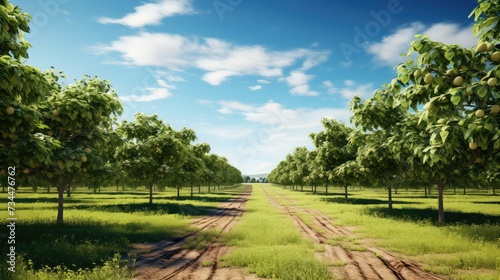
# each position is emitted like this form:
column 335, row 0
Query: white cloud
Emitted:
column 164, row 84
column 299, row 83
column 276, row 131
column 329, row 87
column 219, row 60
column 152, row 13
column 153, row 94
column 388, row 50
column 160, row 90
column 351, row 89
column 204, row 102
column 256, row 87
column 227, row 132
column 173, row 78
column 349, row 83
column 264, row 81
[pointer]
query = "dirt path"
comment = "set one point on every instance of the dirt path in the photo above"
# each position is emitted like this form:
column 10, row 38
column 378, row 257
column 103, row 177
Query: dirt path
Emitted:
column 351, row 258
column 169, row 260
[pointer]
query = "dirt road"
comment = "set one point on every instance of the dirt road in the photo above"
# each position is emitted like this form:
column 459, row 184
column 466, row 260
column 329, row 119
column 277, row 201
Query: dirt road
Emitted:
column 351, row 258
column 170, row 260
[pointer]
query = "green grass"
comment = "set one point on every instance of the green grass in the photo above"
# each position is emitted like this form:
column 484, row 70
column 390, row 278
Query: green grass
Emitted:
column 115, row 268
column 201, row 240
column 470, row 242
column 270, row 245
column 96, row 228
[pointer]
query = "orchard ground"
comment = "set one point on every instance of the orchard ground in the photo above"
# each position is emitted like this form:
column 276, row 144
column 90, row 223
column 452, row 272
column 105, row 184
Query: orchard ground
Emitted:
column 276, row 233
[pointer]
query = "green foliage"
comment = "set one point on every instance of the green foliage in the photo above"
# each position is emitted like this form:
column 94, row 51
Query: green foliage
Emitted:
column 436, row 122
column 115, row 268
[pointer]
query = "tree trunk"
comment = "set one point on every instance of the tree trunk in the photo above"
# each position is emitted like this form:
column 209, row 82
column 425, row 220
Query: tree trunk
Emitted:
column 440, row 187
column 150, row 193
column 455, row 189
column 68, row 191
column 199, row 188
column 389, row 191
column 48, row 189
column 426, row 194
column 345, row 191
column 465, row 191
column 208, row 187
column 326, row 187
column 178, row 191
column 192, row 190
column 60, row 203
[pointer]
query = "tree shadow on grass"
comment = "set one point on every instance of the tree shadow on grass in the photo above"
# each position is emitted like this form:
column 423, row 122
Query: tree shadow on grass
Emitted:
column 152, row 209
column 486, row 202
column 363, row 201
column 83, row 243
column 429, row 214
column 197, row 198
column 27, row 200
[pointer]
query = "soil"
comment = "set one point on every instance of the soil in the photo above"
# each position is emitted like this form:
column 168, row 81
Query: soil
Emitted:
column 350, row 257
column 169, row 260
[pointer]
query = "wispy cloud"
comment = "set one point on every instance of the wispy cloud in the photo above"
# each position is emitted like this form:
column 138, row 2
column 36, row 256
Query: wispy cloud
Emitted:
column 329, row 87
column 151, row 95
column 256, row 87
column 152, row 13
column 351, row 89
column 160, row 90
column 388, row 50
column 219, row 59
column 299, row 83
column 204, row 102
column 277, row 130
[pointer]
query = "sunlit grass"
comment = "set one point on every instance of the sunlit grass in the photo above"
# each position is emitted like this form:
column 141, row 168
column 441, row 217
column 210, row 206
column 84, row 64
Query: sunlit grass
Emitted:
column 270, row 245
column 471, row 242
column 96, row 227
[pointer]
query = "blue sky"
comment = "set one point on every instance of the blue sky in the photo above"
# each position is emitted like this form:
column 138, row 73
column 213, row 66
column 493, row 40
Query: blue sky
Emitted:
column 253, row 78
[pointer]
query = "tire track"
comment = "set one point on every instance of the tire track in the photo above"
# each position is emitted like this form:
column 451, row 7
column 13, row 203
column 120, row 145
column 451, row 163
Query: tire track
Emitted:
column 358, row 262
column 169, row 260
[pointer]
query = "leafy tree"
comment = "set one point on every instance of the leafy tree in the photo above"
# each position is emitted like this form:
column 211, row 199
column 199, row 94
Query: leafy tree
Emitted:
column 152, row 151
column 78, row 116
column 22, row 143
column 333, row 151
column 460, row 122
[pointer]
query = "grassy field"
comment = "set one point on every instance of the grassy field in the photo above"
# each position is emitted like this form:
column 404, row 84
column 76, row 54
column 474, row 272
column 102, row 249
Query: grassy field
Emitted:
column 468, row 247
column 270, row 245
column 100, row 228
column 97, row 227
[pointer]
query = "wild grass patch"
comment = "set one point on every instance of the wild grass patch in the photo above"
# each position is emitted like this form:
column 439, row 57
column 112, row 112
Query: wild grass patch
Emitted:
column 269, row 244
column 470, row 241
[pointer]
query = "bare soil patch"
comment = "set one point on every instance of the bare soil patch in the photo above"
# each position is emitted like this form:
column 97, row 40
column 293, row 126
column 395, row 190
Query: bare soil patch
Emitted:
column 350, row 257
column 168, row 259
